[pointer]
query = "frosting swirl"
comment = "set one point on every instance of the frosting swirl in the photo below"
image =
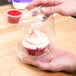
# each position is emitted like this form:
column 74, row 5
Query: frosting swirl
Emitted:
column 35, row 40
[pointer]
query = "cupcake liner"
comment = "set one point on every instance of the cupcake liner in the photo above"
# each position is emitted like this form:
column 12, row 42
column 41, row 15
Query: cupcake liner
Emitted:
column 24, row 55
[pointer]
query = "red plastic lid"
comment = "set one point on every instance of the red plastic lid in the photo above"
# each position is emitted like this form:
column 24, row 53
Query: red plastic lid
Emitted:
column 14, row 13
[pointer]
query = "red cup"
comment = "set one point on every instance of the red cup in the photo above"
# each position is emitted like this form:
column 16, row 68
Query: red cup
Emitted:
column 13, row 16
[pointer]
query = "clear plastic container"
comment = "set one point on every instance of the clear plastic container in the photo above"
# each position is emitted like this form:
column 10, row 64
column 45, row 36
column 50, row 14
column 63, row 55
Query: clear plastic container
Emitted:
column 35, row 18
column 36, row 32
column 13, row 16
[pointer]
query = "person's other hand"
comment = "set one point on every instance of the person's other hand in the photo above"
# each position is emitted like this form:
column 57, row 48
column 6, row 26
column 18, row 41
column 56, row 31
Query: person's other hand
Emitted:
column 58, row 60
column 64, row 7
column 55, row 60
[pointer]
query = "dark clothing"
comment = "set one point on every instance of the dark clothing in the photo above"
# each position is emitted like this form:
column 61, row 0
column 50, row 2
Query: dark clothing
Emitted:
column 4, row 2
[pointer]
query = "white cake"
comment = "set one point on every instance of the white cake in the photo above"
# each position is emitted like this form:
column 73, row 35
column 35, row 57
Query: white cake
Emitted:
column 35, row 42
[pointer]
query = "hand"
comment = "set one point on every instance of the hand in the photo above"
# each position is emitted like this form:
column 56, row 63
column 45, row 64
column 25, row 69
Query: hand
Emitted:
column 56, row 60
column 64, row 7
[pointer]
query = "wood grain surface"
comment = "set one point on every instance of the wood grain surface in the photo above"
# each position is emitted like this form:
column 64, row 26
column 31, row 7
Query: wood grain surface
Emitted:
column 10, row 65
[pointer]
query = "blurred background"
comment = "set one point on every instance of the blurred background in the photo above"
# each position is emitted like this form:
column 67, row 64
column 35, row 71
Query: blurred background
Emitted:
column 4, row 2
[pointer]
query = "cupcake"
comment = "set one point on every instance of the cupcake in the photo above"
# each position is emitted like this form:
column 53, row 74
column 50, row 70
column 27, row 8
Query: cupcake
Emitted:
column 35, row 43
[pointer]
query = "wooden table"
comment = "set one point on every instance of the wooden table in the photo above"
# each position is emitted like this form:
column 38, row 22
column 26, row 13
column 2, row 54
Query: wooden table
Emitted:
column 10, row 65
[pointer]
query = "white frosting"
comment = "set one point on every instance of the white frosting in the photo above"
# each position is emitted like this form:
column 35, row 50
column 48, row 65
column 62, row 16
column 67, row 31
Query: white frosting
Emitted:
column 35, row 39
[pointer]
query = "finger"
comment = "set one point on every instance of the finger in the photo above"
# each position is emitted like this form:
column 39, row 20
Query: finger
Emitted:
column 29, row 61
column 45, row 59
column 51, row 66
column 57, row 65
column 43, row 66
column 33, row 4
column 47, row 2
column 51, row 10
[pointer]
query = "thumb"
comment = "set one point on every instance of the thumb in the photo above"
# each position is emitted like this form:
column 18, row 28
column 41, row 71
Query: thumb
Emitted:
column 51, row 10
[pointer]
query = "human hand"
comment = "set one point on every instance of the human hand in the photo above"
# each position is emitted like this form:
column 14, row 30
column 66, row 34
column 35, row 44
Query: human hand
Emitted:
column 58, row 60
column 55, row 60
column 64, row 7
